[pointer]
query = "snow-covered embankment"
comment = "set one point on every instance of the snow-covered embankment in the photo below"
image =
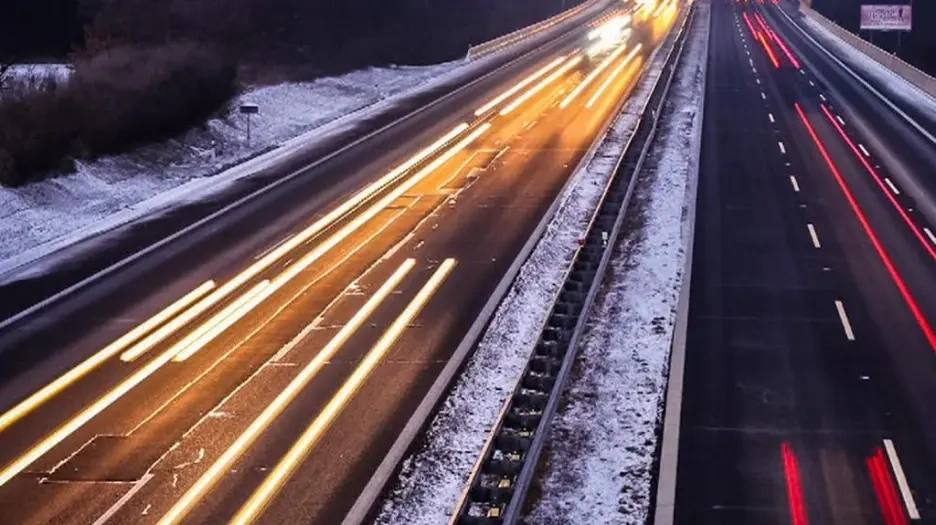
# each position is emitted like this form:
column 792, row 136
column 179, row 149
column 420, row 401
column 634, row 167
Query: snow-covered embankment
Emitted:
column 602, row 442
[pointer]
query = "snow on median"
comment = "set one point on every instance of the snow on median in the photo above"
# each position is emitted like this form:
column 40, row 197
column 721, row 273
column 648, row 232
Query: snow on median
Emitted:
column 601, row 446
column 432, row 480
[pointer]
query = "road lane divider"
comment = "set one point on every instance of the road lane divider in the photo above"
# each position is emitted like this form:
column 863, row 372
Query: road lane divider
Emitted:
column 65, row 430
column 902, row 483
column 614, row 74
column 277, row 478
column 541, row 85
column 518, row 86
column 210, row 477
column 52, row 389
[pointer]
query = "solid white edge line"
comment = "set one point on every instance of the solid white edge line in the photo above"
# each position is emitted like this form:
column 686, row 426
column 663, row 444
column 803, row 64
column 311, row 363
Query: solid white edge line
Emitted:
column 909, row 502
column 891, row 186
column 862, row 81
column 864, row 150
column 846, row 324
column 795, row 183
column 813, row 235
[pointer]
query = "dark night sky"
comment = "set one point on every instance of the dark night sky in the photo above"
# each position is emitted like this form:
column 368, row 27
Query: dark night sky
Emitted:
column 38, row 28
column 49, row 28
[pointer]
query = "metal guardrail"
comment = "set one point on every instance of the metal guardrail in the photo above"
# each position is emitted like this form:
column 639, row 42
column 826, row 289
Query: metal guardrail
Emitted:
column 498, row 485
column 504, row 41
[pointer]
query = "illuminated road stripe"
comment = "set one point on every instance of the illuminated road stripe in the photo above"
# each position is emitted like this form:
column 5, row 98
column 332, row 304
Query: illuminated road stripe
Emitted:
column 541, row 85
column 520, row 85
column 604, row 85
column 193, row 495
column 297, row 453
column 52, row 389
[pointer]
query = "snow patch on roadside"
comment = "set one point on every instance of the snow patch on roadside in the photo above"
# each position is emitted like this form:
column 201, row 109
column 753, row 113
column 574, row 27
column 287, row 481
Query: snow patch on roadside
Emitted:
column 432, row 480
column 874, row 70
column 602, row 442
column 107, row 192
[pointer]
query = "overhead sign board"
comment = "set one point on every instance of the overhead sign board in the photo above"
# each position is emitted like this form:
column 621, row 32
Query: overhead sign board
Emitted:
column 886, row 17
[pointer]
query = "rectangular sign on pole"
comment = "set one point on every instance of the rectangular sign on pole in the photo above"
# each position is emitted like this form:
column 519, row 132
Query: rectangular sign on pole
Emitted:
column 886, row 17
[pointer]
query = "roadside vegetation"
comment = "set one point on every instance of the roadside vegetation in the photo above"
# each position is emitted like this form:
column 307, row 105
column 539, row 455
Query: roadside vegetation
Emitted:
column 146, row 71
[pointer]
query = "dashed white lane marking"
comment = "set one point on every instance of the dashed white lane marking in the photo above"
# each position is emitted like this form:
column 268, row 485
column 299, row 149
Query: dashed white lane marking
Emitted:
column 751, row 61
column 811, row 83
column 802, row 72
column 839, row 118
column 813, row 235
column 758, row 80
column 912, row 510
column 782, row 147
column 864, row 150
column 123, row 500
column 929, row 234
column 846, row 324
column 763, row 96
column 770, row 116
column 891, row 186
column 822, row 97
column 795, row 184
column 754, row 69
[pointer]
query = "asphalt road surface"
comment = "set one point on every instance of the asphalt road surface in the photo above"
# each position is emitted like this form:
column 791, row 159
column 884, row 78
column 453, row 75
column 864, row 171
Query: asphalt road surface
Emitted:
column 276, row 354
column 810, row 372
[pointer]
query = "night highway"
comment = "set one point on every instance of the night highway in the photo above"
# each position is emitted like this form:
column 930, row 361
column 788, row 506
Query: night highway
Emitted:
column 808, row 394
column 259, row 367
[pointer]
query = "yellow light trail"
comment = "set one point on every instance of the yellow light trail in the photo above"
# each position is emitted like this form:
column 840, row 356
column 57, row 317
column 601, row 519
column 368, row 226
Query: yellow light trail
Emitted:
column 142, row 374
column 184, row 505
column 52, row 389
column 542, row 84
column 591, row 77
column 614, row 74
column 297, row 453
column 520, row 85
column 194, row 341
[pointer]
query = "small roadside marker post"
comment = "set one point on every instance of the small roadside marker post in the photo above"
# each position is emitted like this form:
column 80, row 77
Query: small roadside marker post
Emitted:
column 249, row 109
